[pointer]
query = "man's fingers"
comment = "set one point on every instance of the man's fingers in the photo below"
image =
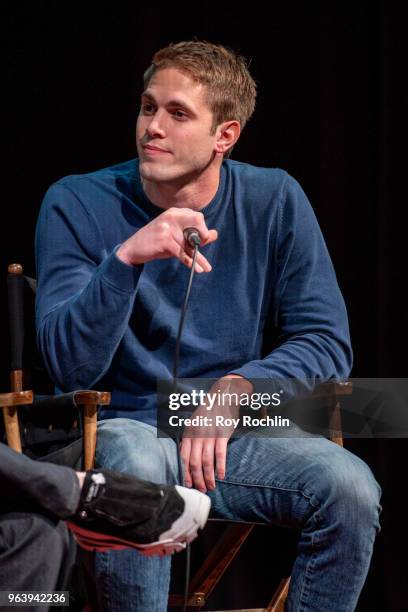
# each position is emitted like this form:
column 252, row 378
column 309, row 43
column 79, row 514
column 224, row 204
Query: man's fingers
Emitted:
column 196, row 219
column 211, row 237
column 187, row 260
column 207, row 237
column 185, row 252
column 208, row 462
column 179, row 251
column 154, row 240
column 185, row 255
column 203, row 262
column 196, row 464
column 185, row 450
column 220, row 456
column 202, row 463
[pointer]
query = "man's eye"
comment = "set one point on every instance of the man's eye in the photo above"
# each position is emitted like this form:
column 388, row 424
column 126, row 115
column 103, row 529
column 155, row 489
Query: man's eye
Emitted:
column 148, row 108
column 178, row 114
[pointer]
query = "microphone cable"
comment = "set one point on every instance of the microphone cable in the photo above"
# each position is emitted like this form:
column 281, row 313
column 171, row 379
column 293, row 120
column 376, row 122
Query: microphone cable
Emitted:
column 184, row 310
column 191, row 236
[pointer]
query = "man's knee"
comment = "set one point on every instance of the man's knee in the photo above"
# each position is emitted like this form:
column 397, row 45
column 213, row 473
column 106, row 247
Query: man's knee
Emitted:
column 133, row 447
column 347, row 490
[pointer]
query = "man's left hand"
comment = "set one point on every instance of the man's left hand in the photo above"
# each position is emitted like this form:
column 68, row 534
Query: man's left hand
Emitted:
column 204, row 450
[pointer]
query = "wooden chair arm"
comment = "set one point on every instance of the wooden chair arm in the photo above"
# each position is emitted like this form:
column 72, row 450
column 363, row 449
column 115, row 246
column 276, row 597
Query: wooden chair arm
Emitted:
column 9, row 403
column 100, row 398
column 333, row 389
column 16, row 398
column 87, row 400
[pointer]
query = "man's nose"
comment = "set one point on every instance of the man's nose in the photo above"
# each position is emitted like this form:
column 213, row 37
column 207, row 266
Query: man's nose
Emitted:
column 156, row 126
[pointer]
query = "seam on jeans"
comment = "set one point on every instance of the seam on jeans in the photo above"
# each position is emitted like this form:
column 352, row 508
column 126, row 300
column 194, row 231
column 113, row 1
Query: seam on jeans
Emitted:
column 276, row 486
column 305, row 590
column 305, row 587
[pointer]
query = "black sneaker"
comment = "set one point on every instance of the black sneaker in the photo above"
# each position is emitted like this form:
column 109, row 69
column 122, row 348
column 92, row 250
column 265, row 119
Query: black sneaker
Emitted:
column 116, row 510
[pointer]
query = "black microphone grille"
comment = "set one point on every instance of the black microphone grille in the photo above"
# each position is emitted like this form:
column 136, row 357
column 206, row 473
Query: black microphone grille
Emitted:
column 192, row 236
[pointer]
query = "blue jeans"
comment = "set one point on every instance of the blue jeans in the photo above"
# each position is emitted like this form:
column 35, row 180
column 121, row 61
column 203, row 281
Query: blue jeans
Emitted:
column 308, row 483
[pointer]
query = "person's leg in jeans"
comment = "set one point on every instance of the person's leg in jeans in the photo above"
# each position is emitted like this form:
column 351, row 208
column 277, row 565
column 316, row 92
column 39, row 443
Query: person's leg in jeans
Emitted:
column 127, row 580
column 307, row 483
column 316, row 486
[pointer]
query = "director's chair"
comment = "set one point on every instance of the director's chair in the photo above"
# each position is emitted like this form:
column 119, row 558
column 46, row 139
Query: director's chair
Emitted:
column 55, row 428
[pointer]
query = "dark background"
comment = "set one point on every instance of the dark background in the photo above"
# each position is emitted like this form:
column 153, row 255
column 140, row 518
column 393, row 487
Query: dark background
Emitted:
column 331, row 111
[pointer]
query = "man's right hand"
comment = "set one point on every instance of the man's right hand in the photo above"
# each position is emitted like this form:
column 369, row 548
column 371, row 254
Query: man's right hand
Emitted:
column 163, row 238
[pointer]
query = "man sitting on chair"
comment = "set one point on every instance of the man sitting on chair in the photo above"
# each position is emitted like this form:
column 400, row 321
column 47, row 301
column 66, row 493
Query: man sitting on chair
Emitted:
column 112, row 259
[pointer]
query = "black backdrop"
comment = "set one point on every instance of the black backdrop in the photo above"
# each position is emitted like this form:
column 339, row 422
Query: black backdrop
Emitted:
column 331, row 111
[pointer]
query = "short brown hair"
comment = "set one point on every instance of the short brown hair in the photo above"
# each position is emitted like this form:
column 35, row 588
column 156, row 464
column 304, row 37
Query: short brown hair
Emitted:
column 231, row 91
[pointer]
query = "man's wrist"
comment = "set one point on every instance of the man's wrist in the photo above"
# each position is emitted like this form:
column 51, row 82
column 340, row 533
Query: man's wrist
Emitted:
column 123, row 253
column 247, row 386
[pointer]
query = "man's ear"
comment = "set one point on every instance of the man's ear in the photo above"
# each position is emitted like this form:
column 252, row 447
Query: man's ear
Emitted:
column 227, row 135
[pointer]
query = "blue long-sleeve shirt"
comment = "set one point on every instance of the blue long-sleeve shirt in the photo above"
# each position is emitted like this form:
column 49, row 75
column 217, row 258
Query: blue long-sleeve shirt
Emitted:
column 271, row 307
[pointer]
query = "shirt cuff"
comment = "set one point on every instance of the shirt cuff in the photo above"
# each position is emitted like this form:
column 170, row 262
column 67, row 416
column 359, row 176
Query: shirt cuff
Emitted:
column 255, row 374
column 120, row 275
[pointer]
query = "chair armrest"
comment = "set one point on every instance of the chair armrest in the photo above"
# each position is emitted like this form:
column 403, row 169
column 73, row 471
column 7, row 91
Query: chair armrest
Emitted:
column 87, row 400
column 100, row 398
column 333, row 389
column 16, row 398
column 9, row 403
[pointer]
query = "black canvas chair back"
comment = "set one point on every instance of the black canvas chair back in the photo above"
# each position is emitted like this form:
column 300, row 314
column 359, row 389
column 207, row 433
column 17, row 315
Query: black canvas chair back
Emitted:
column 25, row 359
column 50, row 428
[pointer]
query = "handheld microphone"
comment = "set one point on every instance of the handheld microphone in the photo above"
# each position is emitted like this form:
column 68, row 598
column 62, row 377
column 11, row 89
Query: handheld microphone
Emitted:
column 192, row 236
